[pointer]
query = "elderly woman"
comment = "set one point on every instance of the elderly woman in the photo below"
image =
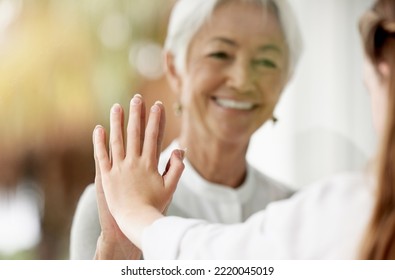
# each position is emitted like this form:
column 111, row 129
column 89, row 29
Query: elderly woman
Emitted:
column 347, row 216
column 228, row 62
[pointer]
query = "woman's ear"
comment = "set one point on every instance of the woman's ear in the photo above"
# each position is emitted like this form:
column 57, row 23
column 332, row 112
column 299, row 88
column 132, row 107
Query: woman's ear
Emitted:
column 172, row 74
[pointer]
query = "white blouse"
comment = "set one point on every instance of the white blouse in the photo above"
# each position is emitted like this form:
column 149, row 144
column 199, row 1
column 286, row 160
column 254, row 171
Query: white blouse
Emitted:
column 198, row 198
column 324, row 221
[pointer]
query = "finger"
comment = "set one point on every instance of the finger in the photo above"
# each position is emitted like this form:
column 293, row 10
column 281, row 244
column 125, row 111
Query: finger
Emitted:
column 116, row 133
column 162, row 125
column 98, row 179
column 174, row 171
column 150, row 147
column 99, row 186
column 101, row 156
column 97, row 166
column 136, row 126
column 105, row 217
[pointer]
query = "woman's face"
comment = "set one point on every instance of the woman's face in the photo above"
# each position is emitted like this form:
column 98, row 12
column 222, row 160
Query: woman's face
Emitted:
column 236, row 68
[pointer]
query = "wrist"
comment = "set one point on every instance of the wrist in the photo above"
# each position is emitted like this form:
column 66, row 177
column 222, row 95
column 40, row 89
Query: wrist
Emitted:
column 110, row 249
column 134, row 222
column 106, row 249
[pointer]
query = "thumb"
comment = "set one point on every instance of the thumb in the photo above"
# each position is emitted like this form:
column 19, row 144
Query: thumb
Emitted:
column 98, row 179
column 174, row 169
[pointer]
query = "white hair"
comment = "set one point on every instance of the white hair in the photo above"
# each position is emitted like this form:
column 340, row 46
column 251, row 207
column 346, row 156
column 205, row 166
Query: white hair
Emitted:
column 188, row 16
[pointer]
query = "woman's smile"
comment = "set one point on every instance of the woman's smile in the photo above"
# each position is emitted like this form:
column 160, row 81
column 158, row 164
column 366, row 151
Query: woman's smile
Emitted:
column 228, row 103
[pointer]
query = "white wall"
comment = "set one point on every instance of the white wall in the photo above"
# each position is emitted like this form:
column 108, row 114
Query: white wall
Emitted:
column 324, row 115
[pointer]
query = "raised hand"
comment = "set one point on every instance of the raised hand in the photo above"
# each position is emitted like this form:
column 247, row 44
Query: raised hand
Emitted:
column 135, row 192
column 112, row 243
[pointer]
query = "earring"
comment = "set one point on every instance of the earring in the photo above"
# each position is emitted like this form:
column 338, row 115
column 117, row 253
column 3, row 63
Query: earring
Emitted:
column 177, row 108
column 274, row 120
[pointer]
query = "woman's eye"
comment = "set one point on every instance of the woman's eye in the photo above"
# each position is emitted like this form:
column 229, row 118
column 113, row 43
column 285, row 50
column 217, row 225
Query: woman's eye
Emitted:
column 265, row 63
column 219, row 55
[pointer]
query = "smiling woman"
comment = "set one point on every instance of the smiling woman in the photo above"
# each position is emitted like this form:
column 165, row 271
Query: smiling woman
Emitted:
column 227, row 61
column 232, row 79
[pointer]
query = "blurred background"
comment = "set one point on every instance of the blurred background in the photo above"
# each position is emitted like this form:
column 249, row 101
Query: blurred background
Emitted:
column 325, row 125
column 64, row 63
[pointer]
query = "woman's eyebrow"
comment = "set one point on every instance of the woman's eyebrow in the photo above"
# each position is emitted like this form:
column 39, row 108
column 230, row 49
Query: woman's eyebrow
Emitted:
column 224, row 40
column 264, row 48
column 270, row 47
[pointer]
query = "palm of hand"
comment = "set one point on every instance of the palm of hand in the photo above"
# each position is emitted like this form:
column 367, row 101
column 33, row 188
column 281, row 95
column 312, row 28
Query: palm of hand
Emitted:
column 130, row 186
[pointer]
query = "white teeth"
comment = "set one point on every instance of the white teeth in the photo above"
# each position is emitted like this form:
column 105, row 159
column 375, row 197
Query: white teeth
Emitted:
column 233, row 104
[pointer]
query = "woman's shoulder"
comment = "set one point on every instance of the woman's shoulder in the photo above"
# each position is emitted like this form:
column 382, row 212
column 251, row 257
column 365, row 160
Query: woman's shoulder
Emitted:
column 87, row 201
column 336, row 196
column 346, row 189
column 342, row 189
column 326, row 217
column 343, row 182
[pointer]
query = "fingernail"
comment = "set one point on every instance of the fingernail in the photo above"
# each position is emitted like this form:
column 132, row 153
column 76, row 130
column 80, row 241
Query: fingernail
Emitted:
column 116, row 108
column 155, row 108
column 137, row 99
column 97, row 130
column 181, row 153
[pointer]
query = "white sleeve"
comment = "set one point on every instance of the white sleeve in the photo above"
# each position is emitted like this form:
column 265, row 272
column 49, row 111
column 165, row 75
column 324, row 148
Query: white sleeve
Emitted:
column 85, row 229
column 161, row 239
column 267, row 234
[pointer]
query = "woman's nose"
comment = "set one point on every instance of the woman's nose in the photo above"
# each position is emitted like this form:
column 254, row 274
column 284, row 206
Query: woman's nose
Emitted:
column 241, row 77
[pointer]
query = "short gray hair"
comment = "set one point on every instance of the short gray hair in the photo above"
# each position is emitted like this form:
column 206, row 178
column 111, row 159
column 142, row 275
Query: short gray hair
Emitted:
column 188, row 16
